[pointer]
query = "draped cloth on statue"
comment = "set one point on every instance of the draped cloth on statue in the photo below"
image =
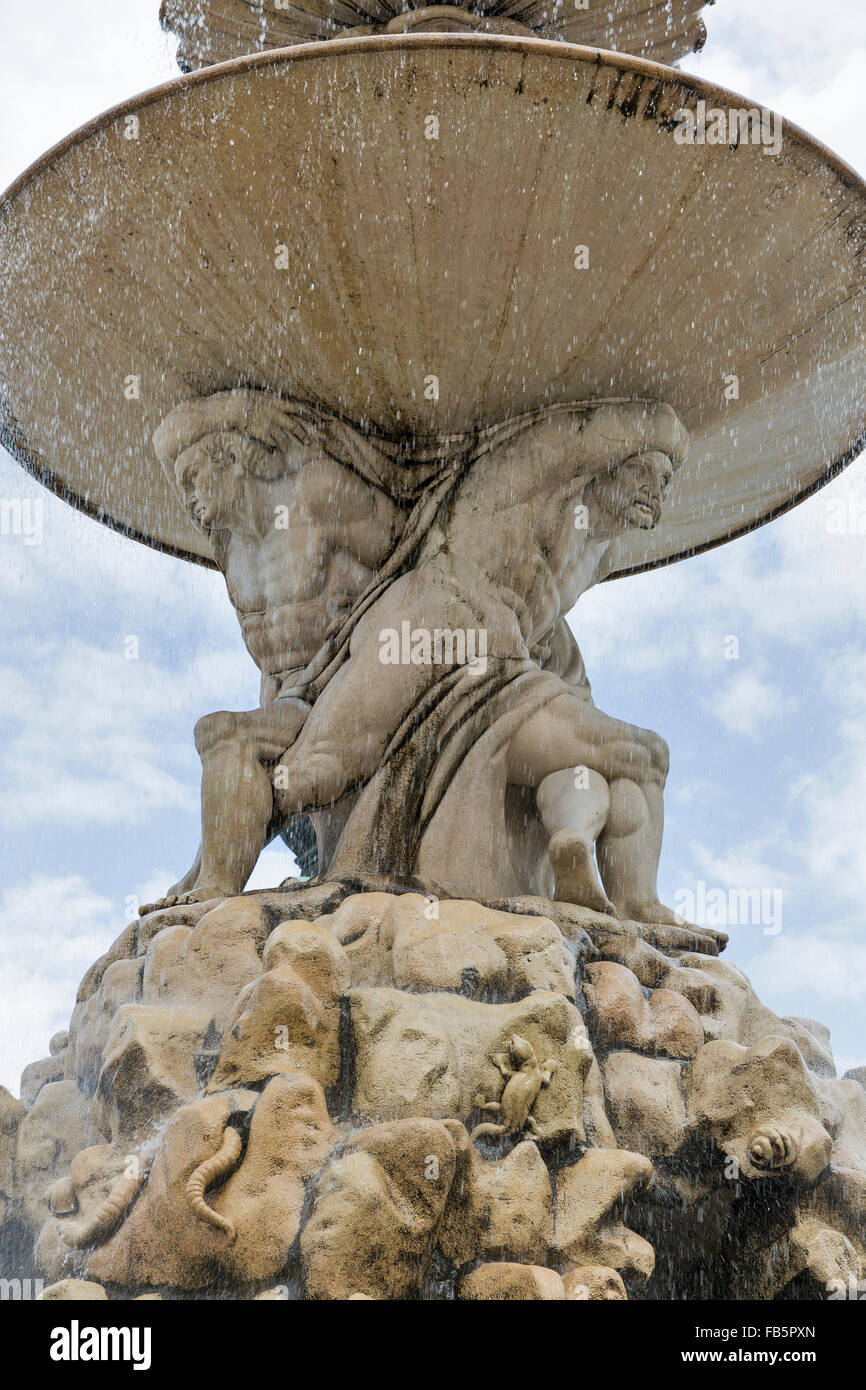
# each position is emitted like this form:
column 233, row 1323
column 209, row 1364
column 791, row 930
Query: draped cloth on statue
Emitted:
column 422, row 472
column 436, row 809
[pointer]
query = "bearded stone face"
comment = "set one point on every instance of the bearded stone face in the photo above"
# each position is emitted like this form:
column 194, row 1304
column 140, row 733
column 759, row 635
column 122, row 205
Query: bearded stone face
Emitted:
column 210, row 476
column 632, row 495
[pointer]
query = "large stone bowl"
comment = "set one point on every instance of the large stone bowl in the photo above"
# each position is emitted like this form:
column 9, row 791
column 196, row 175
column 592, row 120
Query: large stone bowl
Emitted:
column 283, row 221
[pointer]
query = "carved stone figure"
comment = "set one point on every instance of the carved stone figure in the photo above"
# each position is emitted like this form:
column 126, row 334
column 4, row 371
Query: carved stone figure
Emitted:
column 268, row 1095
column 403, row 600
column 522, row 1085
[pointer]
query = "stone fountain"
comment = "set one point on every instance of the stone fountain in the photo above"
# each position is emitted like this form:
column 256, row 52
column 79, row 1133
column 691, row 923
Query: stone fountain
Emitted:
column 416, row 324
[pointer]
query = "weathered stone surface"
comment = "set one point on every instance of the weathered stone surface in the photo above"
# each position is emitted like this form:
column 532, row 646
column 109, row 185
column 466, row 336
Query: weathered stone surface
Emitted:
column 760, row 1106
column 74, row 1291
column 134, row 939
column 12, row 1112
column 522, row 1283
column 645, row 1102
column 589, row 1197
column 62, row 1122
column 827, row 1256
column 594, row 1283
column 461, row 946
column 838, row 1203
column 38, row 1074
column 843, row 1113
column 411, row 1195
column 621, row 1016
column 314, row 953
column 163, row 973
column 290, row 1137
column 224, row 952
column 599, row 1131
column 498, row 1210
column 376, row 1211
column 648, row 964
column 423, row 945
column 148, row 1066
column 731, row 1010
column 280, row 1026
column 163, row 1240
column 356, row 923
column 432, row 1054
column 205, row 962
column 93, row 1018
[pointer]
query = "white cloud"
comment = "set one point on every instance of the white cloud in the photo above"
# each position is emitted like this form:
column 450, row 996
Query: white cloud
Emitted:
column 816, row 963
column 744, row 867
column 51, row 930
column 746, row 703
column 802, row 59
column 93, row 737
column 833, row 804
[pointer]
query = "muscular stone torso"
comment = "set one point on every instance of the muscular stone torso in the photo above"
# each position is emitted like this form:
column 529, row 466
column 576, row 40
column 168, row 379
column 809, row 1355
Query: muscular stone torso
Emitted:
column 515, row 517
column 288, row 584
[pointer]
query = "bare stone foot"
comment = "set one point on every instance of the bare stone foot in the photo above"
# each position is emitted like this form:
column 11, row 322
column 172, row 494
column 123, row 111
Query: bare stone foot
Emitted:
column 204, row 894
column 574, row 872
column 653, row 913
column 667, row 930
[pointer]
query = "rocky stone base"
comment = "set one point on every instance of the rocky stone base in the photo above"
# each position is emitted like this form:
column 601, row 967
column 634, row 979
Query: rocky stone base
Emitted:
column 334, row 1091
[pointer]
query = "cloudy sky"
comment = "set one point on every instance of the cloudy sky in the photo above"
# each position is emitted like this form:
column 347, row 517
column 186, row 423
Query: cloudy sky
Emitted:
column 98, row 775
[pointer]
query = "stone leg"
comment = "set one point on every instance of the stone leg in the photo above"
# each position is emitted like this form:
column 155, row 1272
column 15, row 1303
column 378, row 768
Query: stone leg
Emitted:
column 629, row 848
column 574, row 811
column 238, row 814
column 364, row 703
column 570, row 733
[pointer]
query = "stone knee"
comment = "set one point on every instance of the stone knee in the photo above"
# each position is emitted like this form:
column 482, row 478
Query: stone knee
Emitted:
column 659, row 752
column 661, row 756
column 225, row 726
column 628, row 809
column 309, row 777
column 574, row 799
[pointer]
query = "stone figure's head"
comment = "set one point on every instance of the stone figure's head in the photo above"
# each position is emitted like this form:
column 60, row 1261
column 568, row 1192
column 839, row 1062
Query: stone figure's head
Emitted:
column 214, row 446
column 210, row 476
column 629, row 494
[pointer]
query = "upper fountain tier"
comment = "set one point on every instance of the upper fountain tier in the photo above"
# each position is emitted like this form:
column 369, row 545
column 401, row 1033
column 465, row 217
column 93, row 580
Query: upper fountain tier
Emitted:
column 428, row 233
column 213, row 31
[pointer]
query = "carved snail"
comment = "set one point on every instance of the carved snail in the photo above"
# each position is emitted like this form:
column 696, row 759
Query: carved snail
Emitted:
column 773, row 1147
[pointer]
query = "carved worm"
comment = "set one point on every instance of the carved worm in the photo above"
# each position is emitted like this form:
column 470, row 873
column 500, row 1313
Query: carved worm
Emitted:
column 772, row 1147
column 209, row 1172
column 108, row 1217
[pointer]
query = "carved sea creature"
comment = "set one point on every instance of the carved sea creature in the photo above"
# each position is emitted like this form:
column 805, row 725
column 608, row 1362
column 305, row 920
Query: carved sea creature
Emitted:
column 773, row 1146
column 211, row 1171
column 523, row 1083
column 109, row 1216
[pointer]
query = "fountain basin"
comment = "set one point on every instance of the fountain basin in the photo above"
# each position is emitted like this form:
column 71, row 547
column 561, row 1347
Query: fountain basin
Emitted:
column 286, row 221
